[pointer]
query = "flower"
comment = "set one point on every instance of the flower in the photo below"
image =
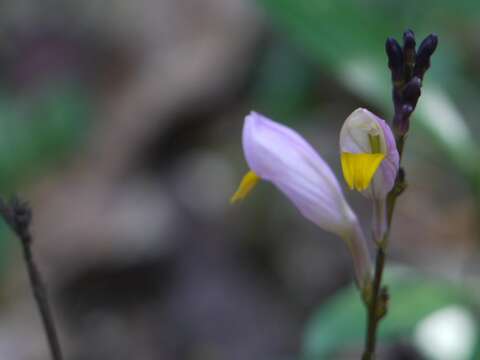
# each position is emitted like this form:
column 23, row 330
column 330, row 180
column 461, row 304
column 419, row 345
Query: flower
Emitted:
column 280, row 155
column 369, row 154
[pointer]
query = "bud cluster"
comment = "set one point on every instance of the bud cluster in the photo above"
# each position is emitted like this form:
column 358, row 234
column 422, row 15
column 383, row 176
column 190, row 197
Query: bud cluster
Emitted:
column 408, row 67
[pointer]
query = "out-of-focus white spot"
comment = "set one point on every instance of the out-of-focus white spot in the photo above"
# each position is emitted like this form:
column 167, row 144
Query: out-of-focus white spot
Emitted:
column 361, row 76
column 447, row 334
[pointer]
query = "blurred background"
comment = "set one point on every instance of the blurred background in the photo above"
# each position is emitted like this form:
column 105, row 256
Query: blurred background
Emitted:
column 120, row 122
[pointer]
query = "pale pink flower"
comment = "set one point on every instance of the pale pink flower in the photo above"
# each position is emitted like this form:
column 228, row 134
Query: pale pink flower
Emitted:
column 278, row 154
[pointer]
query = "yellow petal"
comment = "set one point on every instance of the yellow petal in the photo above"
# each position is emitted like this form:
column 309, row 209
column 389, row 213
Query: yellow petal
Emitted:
column 246, row 185
column 358, row 169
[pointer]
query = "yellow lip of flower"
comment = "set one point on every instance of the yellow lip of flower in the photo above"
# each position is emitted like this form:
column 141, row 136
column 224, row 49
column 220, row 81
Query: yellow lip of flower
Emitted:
column 246, row 186
column 358, row 169
column 365, row 133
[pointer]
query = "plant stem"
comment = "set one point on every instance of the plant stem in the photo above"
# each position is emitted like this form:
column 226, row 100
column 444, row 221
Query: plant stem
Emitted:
column 375, row 308
column 408, row 68
column 40, row 295
column 374, row 314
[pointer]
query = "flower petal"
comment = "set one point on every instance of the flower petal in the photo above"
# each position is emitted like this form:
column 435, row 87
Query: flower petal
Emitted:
column 246, row 185
column 358, row 169
column 280, row 155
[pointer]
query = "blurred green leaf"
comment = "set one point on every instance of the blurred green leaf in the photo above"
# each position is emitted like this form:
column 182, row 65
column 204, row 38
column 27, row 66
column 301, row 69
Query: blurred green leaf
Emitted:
column 40, row 131
column 340, row 322
column 347, row 39
column 283, row 86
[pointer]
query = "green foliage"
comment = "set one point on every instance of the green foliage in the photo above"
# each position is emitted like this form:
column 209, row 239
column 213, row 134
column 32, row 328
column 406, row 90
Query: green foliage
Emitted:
column 283, row 86
column 38, row 131
column 347, row 39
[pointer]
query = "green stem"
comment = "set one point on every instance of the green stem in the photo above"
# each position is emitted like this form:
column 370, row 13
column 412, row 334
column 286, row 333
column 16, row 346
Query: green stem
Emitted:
column 373, row 313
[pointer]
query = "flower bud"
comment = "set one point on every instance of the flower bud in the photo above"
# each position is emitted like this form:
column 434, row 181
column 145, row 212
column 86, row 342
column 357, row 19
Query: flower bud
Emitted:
column 409, row 52
column 369, row 155
column 395, row 59
column 424, row 53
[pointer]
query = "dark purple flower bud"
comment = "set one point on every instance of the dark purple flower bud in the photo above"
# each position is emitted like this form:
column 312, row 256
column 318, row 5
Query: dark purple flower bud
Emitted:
column 424, row 53
column 407, row 82
column 395, row 58
column 428, row 46
column 409, row 52
column 412, row 91
column 408, row 40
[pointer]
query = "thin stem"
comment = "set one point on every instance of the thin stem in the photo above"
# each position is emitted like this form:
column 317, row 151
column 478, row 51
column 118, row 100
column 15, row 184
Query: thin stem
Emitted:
column 408, row 67
column 379, row 220
column 391, row 202
column 399, row 185
column 373, row 313
column 40, row 295
column 375, row 308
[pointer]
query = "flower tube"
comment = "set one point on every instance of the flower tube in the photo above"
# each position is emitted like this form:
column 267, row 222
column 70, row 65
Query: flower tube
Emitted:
column 278, row 154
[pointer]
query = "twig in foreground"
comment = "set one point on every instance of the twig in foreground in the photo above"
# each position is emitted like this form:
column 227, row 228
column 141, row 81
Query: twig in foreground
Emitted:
column 18, row 215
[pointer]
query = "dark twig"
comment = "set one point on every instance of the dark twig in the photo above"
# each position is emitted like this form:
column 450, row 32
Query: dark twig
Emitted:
column 18, row 215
